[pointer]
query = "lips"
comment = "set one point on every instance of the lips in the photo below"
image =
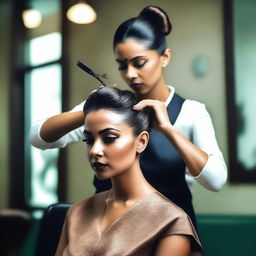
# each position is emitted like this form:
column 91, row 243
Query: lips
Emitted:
column 136, row 86
column 98, row 165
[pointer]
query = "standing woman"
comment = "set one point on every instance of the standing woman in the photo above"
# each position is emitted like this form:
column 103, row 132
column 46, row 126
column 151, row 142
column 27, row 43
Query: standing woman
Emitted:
column 183, row 143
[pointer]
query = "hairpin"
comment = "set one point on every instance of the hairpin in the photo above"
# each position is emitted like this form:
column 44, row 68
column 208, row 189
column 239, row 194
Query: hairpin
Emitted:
column 90, row 72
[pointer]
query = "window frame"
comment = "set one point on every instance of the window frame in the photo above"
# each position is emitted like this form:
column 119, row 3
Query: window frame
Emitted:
column 17, row 192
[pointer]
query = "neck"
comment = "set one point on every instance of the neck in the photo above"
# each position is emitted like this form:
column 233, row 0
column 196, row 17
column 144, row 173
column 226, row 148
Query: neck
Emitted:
column 130, row 186
column 159, row 92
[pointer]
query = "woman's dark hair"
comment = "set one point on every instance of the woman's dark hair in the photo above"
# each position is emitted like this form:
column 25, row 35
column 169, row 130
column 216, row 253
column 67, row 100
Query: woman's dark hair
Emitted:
column 121, row 102
column 151, row 27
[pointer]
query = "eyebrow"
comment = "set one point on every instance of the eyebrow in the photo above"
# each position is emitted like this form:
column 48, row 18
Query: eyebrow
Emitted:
column 101, row 132
column 126, row 60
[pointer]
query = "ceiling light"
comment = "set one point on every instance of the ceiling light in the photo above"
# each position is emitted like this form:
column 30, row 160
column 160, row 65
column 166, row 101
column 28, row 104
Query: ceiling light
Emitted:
column 31, row 18
column 81, row 13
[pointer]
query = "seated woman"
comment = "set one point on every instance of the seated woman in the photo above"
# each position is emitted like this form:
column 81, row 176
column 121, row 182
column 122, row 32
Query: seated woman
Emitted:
column 131, row 218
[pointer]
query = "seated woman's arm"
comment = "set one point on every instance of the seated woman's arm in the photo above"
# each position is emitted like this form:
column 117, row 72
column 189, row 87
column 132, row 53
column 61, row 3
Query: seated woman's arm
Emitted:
column 174, row 245
column 62, row 242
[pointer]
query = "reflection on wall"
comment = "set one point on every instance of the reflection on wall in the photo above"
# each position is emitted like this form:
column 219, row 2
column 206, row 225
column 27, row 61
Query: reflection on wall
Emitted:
column 245, row 69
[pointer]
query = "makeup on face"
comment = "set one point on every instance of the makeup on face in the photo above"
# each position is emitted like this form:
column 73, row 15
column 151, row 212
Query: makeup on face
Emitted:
column 140, row 68
column 137, row 62
column 111, row 143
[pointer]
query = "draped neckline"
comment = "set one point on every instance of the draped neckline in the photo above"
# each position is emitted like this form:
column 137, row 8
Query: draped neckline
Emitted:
column 121, row 217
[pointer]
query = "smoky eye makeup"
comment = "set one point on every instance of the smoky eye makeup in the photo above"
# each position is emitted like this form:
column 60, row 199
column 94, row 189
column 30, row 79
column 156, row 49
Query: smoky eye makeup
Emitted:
column 121, row 65
column 88, row 138
column 109, row 138
column 139, row 63
column 106, row 136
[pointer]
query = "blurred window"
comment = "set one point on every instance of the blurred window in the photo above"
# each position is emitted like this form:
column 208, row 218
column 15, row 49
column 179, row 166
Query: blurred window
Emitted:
column 43, row 98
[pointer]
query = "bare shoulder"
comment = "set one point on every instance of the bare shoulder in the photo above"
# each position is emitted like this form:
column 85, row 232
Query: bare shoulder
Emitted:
column 174, row 245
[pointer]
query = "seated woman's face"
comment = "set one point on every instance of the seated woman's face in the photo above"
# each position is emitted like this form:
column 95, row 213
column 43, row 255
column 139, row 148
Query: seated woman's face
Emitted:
column 112, row 145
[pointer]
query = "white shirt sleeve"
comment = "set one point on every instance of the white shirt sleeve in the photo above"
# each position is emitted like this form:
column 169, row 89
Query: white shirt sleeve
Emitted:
column 73, row 136
column 195, row 123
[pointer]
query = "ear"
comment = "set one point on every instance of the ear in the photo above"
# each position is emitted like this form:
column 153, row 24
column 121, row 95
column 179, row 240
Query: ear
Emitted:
column 142, row 141
column 166, row 56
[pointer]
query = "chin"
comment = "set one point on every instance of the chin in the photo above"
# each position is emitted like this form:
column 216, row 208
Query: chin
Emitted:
column 102, row 177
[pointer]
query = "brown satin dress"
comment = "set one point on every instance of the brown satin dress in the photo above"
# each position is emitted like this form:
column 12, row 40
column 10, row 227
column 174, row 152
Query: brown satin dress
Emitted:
column 135, row 233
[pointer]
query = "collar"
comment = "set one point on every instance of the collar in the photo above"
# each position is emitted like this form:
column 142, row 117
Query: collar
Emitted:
column 169, row 98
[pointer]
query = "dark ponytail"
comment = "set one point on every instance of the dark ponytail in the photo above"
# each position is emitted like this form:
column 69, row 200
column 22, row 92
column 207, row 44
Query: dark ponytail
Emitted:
column 151, row 27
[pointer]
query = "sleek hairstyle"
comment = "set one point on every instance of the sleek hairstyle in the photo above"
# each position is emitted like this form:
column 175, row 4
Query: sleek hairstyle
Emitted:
column 121, row 102
column 151, row 27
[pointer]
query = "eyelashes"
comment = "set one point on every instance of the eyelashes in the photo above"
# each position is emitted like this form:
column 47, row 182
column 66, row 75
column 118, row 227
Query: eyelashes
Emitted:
column 88, row 141
column 137, row 65
column 105, row 139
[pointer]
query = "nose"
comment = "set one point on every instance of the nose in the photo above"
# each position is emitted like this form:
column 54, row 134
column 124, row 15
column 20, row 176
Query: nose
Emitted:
column 131, row 72
column 96, row 149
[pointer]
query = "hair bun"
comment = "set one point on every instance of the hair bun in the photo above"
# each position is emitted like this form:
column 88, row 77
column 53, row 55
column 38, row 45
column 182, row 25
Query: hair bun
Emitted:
column 158, row 16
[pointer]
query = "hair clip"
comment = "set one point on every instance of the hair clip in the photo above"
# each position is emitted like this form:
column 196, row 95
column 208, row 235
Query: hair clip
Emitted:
column 90, row 72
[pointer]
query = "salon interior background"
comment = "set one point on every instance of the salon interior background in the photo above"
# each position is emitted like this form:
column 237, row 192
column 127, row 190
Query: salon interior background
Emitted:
column 198, row 33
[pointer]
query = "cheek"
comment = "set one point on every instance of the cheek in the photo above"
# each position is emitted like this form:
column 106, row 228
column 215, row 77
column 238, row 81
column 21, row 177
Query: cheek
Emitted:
column 153, row 69
column 123, row 150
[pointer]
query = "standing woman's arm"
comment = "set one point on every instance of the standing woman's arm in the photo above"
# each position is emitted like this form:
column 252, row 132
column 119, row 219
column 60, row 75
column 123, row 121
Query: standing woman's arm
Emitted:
column 57, row 126
column 198, row 161
column 59, row 130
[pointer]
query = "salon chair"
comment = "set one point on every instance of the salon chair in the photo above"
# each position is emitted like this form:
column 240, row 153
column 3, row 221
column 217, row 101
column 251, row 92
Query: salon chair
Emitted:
column 50, row 229
column 14, row 227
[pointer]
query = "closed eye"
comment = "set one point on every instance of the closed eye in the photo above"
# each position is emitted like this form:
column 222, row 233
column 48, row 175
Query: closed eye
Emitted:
column 140, row 63
column 89, row 141
column 122, row 67
column 109, row 139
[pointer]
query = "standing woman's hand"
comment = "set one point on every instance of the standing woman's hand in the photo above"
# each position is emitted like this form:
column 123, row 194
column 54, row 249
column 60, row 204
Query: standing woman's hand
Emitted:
column 162, row 121
column 194, row 157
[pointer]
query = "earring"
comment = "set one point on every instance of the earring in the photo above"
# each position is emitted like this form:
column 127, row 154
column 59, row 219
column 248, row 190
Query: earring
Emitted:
column 138, row 150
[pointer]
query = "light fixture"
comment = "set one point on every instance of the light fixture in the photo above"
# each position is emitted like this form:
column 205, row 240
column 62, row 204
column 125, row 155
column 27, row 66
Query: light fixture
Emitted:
column 81, row 13
column 31, row 18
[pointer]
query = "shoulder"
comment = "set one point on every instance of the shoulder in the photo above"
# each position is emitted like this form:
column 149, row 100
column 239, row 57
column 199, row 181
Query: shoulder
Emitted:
column 188, row 105
column 192, row 106
column 175, row 216
column 168, row 208
column 87, row 205
column 191, row 111
column 178, row 226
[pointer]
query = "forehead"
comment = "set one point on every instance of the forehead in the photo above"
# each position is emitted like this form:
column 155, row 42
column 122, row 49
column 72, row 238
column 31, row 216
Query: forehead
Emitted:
column 131, row 48
column 98, row 120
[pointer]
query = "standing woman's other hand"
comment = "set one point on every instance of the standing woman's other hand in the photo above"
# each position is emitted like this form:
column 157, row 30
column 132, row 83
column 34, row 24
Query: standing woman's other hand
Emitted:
column 115, row 85
column 162, row 121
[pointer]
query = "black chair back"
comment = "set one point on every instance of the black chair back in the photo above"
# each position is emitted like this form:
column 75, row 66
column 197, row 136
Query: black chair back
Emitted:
column 50, row 229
